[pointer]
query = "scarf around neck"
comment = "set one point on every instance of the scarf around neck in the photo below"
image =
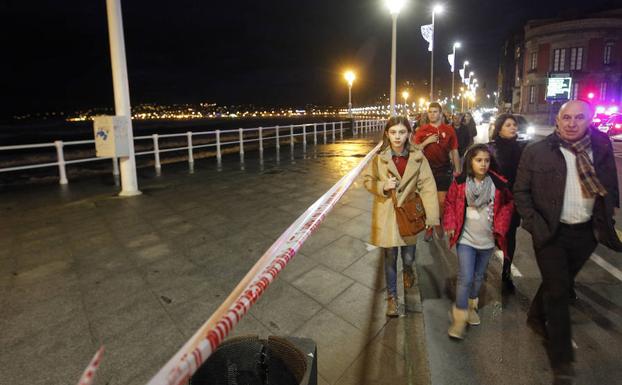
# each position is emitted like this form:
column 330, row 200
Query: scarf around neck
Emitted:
column 590, row 185
column 479, row 195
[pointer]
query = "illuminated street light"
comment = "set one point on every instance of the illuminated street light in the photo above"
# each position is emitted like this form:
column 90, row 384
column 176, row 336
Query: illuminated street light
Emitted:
column 405, row 96
column 395, row 6
column 349, row 76
column 456, row 45
column 436, row 9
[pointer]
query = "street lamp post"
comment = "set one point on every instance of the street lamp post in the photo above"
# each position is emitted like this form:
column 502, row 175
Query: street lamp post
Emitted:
column 439, row 9
column 405, row 96
column 395, row 6
column 349, row 75
column 456, row 45
column 464, row 65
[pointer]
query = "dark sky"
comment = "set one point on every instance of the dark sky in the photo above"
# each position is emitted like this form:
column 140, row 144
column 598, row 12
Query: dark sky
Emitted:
column 272, row 52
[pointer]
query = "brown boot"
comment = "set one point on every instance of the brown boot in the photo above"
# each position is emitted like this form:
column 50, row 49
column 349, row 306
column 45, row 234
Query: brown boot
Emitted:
column 458, row 322
column 473, row 318
column 392, row 307
column 409, row 279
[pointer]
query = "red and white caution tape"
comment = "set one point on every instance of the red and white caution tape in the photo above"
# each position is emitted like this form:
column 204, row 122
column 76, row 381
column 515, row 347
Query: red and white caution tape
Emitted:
column 200, row 346
column 89, row 372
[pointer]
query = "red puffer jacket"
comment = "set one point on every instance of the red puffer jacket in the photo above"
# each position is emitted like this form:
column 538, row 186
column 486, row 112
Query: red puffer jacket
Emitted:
column 455, row 210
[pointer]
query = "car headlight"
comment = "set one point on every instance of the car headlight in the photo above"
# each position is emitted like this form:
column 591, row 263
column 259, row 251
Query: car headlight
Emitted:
column 531, row 130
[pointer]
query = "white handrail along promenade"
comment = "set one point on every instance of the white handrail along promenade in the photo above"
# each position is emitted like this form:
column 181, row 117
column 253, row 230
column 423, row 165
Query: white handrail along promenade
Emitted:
column 211, row 139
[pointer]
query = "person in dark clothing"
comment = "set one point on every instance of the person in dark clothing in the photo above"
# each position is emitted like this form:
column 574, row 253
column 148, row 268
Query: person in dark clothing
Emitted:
column 566, row 191
column 464, row 132
column 507, row 152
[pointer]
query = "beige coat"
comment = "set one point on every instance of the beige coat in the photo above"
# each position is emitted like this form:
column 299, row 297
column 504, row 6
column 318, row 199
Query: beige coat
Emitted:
column 417, row 177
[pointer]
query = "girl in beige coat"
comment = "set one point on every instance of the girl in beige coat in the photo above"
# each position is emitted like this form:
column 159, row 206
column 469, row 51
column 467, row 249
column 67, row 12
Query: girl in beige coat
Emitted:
column 402, row 167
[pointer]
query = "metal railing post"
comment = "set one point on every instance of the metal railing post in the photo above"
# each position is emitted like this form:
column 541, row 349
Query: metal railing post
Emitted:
column 218, row 152
column 333, row 132
column 278, row 144
column 62, row 172
column 190, row 151
column 241, row 145
column 324, row 132
column 261, row 139
column 341, row 130
column 304, row 134
column 291, row 135
column 115, row 168
column 315, row 134
column 156, row 153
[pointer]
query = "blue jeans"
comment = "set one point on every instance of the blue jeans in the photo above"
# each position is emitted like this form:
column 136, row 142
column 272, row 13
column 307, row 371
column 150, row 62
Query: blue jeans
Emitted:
column 473, row 263
column 390, row 264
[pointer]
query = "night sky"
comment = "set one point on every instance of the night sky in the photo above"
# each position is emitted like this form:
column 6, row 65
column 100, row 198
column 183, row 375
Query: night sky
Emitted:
column 269, row 53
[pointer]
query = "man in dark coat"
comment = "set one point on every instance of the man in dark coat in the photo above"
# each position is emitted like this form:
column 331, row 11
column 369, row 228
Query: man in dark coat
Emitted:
column 566, row 191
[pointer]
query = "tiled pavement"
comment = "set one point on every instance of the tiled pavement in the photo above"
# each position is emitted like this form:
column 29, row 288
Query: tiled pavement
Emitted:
column 81, row 267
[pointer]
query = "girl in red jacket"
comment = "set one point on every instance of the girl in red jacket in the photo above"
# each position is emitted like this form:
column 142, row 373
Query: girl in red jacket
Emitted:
column 478, row 211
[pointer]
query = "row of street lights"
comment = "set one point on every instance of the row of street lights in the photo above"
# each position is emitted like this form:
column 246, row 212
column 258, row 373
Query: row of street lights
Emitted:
column 395, row 6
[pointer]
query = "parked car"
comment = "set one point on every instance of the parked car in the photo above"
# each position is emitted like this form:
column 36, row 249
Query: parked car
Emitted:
column 613, row 126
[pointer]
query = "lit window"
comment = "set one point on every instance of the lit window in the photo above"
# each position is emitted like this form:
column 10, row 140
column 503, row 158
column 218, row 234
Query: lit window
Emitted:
column 603, row 90
column 576, row 59
column 607, row 53
column 534, row 60
column 532, row 94
column 559, row 59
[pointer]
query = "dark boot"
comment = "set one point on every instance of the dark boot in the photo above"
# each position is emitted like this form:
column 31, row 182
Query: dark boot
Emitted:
column 506, row 277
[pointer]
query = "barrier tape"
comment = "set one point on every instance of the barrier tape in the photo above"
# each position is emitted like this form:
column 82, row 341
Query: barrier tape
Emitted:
column 89, row 373
column 180, row 368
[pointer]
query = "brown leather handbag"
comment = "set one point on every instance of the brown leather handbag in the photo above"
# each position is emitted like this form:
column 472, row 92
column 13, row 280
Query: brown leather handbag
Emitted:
column 410, row 215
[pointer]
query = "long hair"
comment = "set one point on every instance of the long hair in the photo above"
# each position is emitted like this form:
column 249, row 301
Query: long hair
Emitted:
column 393, row 121
column 471, row 152
column 499, row 123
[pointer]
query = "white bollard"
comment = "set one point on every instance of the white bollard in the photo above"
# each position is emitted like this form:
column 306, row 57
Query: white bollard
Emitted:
column 156, row 153
column 218, row 153
column 62, row 172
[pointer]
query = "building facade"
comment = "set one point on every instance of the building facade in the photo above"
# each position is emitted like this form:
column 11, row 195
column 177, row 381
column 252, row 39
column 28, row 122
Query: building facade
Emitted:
column 587, row 50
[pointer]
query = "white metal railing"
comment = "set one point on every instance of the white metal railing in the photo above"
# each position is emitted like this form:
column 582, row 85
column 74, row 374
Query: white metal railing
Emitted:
column 211, row 139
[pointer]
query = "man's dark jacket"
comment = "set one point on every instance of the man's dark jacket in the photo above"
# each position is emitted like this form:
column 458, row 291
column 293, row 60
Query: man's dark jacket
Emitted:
column 540, row 184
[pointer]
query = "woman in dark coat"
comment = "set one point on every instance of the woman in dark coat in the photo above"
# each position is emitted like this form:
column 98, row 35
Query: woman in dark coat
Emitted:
column 507, row 152
column 465, row 132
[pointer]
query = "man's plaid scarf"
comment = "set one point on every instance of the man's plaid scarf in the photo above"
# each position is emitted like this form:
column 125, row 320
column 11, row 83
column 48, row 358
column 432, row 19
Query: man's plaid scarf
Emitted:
column 590, row 185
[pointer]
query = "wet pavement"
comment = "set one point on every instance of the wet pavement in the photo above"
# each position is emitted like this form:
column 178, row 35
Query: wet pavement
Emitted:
column 81, row 267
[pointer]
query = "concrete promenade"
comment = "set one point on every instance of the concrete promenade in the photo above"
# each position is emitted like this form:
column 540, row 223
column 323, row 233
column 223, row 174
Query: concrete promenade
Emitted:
column 81, row 267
